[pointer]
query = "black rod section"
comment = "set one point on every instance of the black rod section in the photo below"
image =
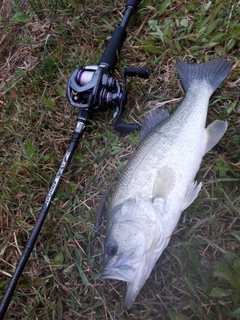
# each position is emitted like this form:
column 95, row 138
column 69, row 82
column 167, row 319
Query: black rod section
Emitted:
column 80, row 126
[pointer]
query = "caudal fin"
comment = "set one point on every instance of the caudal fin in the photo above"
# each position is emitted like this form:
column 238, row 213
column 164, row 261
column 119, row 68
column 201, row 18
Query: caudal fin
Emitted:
column 214, row 72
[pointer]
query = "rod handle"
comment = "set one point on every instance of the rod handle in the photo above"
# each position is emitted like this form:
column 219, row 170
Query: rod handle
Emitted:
column 112, row 51
column 133, row 3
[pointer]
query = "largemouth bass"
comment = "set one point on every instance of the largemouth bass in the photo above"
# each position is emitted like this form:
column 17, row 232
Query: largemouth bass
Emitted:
column 157, row 184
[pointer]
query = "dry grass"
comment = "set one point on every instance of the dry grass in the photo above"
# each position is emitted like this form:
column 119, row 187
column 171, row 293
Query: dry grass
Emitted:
column 198, row 275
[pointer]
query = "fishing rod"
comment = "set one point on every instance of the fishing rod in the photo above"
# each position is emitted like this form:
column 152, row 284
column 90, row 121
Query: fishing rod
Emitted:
column 91, row 89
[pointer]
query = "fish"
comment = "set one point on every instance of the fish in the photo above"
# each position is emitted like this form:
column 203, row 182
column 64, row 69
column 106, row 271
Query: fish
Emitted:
column 157, row 184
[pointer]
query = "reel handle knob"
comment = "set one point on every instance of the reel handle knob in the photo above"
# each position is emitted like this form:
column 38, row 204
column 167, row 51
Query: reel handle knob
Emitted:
column 140, row 72
column 126, row 128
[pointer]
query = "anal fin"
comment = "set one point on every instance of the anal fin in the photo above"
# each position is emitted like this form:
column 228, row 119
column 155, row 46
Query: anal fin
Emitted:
column 191, row 194
column 215, row 131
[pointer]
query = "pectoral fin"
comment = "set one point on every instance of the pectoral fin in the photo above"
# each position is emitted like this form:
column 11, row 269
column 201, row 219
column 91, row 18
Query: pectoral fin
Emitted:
column 191, row 194
column 164, row 182
column 215, row 131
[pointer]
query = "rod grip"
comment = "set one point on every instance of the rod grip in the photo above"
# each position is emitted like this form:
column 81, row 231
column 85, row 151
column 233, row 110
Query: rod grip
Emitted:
column 133, row 3
column 112, row 51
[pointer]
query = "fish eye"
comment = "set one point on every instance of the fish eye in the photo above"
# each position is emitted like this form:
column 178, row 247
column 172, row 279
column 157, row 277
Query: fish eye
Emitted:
column 111, row 248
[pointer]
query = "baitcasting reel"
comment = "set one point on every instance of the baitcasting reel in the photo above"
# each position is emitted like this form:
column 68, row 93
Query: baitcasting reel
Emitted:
column 93, row 88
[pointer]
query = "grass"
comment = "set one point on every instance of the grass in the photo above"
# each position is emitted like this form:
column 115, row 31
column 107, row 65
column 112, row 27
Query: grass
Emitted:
column 198, row 275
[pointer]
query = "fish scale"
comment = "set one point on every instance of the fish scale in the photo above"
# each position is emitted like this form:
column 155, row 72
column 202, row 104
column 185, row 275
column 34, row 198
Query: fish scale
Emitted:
column 157, row 184
column 166, row 143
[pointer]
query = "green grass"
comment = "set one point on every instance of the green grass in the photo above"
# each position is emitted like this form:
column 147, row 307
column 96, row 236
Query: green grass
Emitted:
column 197, row 277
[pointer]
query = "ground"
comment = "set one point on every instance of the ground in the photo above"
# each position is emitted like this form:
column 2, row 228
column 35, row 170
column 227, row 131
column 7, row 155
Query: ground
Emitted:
column 42, row 42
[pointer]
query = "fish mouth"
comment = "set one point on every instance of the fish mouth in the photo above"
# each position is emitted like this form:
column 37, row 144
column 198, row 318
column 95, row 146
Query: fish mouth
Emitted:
column 122, row 273
column 127, row 274
column 121, row 267
column 129, row 268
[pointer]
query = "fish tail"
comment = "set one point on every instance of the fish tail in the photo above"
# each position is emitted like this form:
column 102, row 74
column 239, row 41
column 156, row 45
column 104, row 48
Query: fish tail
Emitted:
column 213, row 72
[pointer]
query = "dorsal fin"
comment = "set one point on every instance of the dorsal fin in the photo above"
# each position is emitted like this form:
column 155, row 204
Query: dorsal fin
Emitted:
column 152, row 119
column 102, row 208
